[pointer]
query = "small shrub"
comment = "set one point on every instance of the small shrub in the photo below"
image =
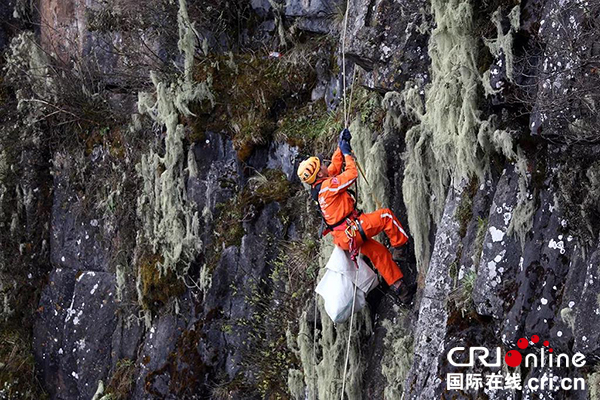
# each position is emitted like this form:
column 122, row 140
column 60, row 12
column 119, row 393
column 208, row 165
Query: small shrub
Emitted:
column 463, row 295
column 122, row 381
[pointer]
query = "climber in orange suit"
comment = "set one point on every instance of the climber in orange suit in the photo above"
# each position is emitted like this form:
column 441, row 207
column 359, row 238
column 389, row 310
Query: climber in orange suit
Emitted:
column 338, row 208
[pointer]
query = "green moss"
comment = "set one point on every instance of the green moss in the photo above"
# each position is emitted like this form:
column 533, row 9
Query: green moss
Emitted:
column 464, row 211
column 462, row 297
column 157, row 288
column 252, row 90
column 305, row 126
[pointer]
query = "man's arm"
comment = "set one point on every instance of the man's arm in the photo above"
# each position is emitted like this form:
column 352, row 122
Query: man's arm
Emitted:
column 343, row 181
column 336, row 163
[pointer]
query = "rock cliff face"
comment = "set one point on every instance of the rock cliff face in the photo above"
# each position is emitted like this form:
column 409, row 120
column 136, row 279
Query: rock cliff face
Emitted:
column 157, row 244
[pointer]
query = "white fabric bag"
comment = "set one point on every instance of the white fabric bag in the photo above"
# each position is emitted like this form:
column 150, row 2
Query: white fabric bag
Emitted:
column 337, row 289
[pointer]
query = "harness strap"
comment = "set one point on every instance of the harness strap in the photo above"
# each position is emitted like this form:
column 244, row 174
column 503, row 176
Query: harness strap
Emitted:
column 314, row 193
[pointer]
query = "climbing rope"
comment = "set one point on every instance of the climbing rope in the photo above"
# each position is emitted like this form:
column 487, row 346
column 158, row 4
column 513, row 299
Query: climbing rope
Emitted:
column 346, row 112
column 315, row 350
column 344, row 62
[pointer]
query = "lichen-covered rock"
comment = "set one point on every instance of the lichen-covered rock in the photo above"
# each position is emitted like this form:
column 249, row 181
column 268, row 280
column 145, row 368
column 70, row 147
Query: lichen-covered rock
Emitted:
column 500, row 251
column 74, row 329
column 160, row 340
column 388, row 39
column 564, row 108
column 424, row 380
column 542, row 270
column 78, row 240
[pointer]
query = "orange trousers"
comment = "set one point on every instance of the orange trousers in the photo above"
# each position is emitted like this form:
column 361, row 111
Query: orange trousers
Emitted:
column 372, row 224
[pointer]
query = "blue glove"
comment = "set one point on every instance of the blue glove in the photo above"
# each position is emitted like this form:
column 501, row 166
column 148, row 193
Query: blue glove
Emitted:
column 345, row 147
column 345, row 135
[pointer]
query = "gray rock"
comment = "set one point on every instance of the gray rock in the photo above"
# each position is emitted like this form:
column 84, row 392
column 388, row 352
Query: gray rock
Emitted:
column 49, row 333
column 501, row 251
column 424, row 380
column 311, row 8
column 79, row 235
column 385, row 39
column 74, row 329
column 284, row 157
column 542, row 272
column 154, row 373
column 587, row 315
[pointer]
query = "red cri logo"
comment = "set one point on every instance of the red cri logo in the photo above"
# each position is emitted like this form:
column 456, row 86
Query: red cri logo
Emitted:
column 513, row 358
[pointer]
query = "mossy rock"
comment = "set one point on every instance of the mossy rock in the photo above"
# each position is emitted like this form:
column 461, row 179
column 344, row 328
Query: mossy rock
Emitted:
column 17, row 366
column 122, row 380
column 251, row 92
column 309, row 126
column 156, row 288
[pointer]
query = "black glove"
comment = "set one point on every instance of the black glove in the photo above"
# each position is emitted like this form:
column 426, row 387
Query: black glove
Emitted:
column 345, row 147
column 345, row 135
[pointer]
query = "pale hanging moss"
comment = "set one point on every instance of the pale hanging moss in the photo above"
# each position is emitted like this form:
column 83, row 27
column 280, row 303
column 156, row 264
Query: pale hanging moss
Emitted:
column 278, row 11
column 187, row 39
column 307, row 354
column 594, row 385
column 205, row 281
column 567, row 315
column 398, row 356
column 170, row 221
column 522, row 218
column 121, row 281
column 25, row 60
column 99, row 391
column 323, row 366
column 450, row 143
column 296, row 384
column 372, row 158
column 442, row 148
column 503, row 44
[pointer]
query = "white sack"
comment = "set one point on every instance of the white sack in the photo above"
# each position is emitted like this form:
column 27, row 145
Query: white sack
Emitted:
column 336, row 286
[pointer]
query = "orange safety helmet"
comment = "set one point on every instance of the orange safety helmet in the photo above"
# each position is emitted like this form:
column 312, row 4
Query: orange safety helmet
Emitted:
column 308, row 169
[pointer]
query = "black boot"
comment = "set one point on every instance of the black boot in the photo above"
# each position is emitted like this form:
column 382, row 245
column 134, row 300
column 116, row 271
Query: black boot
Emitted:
column 405, row 292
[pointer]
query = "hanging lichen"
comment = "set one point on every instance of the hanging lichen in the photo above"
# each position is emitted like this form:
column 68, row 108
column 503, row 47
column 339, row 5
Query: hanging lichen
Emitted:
column 323, row 357
column 450, row 141
column 170, row 222
column 371, row 158
column 522, row 218
column 398, row 356
column 27, row 68
column 503, row 44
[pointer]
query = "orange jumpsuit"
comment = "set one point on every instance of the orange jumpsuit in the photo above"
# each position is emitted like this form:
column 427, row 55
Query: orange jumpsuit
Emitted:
column 336, row 203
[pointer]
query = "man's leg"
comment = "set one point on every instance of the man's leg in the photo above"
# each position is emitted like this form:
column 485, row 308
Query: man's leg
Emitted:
column 382, row 260
column 384, row 220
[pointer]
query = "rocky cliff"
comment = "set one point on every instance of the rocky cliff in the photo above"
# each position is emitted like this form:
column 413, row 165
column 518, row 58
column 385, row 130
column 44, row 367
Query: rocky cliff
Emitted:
column 157, row 244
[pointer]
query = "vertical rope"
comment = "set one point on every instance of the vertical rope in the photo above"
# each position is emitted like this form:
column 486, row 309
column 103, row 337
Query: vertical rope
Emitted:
column 315, row 350
column 349, row 336
column 344, row 62
column 346, row 111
